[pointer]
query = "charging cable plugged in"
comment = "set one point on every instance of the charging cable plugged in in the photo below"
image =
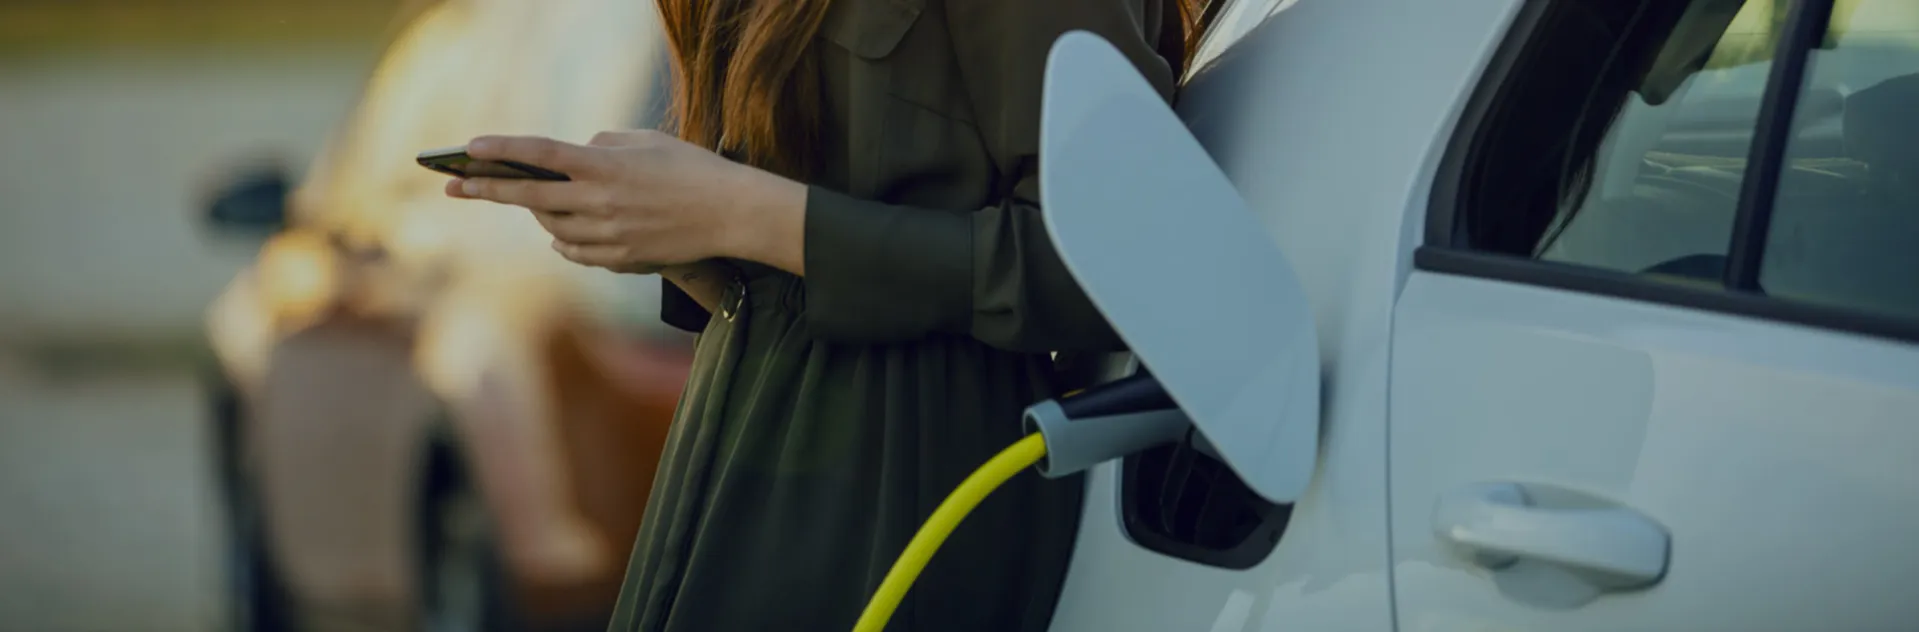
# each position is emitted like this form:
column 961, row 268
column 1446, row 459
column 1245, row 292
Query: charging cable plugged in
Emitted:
column 1066, row 436
column 1103, row 423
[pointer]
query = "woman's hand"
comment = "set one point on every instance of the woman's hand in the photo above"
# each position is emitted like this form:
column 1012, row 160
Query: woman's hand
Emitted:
column 640, row 201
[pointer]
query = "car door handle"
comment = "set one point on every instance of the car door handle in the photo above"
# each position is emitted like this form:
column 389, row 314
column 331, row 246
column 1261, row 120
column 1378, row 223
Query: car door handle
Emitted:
column 1498, row 525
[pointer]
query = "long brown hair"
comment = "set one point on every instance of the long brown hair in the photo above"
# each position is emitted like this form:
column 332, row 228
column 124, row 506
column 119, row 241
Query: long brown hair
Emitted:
column 746, row 81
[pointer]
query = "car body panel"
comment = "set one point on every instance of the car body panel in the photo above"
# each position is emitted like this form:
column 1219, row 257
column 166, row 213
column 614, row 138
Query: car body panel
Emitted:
column 1774, row 454
column 1764, row 460
column 1749, row 472
column 1343, row 197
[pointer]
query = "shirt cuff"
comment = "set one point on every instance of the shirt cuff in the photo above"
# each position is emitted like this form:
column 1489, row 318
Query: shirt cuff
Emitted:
column 878, row 273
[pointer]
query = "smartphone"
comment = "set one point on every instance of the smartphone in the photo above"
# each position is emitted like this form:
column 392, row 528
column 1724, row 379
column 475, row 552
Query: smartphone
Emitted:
column 453, row 161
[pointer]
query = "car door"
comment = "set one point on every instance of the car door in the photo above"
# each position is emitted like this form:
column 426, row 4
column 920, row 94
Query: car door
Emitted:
column 1678, row 394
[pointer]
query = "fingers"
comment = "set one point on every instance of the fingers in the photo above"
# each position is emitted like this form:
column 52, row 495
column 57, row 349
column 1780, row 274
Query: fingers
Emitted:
column 577, row 228
column 611, row 257
column 596, row 255
column 561, row 156
column 539, row 195
column 552, row 207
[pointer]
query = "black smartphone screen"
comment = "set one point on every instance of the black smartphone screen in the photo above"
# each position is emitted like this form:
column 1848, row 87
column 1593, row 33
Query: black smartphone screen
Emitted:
column 455, row 162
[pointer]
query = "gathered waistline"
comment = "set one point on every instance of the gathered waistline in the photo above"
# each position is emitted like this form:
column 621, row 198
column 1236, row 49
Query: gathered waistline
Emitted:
column 759, row 287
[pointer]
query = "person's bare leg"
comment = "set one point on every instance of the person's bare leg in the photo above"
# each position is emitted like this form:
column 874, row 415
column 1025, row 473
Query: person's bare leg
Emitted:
column 484, row 360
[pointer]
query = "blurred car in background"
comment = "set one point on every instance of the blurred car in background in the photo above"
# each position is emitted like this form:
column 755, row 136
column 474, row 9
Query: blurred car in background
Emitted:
column 425, row 419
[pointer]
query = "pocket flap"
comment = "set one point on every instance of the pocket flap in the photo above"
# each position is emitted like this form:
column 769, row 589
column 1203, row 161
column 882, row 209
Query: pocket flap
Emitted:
column 871, row 29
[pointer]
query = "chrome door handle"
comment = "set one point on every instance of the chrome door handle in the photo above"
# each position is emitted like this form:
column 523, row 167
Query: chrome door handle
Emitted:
column 1497, row 525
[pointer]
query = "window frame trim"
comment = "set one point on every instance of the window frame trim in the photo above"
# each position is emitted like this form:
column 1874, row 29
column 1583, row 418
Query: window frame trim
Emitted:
column 1804, row 27
column 1446, row 249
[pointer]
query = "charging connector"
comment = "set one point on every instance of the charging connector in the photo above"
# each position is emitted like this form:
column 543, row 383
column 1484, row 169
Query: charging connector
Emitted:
column 1064, row 436
column 1103, row 423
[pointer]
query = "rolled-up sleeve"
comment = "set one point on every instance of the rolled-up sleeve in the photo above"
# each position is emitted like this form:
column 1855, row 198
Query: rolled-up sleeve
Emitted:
column 879, row 273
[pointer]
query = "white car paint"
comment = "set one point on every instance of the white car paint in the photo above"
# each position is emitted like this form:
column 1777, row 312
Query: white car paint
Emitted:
column 1250, row 382
column 1772, row 458
column 1778, row 456
column 1324, row 187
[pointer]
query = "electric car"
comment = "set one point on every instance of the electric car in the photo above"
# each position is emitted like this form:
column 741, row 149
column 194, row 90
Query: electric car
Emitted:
column 398, row 371
column 1555, row 315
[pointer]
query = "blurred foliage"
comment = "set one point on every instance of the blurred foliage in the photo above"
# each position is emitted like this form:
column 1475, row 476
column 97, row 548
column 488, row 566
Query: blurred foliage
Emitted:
column 43, row 26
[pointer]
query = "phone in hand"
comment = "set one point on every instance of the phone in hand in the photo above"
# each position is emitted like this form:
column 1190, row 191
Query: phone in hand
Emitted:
column 453, row 161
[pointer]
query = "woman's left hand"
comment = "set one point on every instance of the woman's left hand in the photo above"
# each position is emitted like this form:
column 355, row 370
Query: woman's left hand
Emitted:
column 641, row 200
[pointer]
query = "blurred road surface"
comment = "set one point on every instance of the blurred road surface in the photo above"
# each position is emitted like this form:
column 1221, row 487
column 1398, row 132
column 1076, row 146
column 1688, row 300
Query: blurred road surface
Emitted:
column 107, row 512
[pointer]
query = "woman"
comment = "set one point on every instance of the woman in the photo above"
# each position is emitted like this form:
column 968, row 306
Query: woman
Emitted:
column 882, row 292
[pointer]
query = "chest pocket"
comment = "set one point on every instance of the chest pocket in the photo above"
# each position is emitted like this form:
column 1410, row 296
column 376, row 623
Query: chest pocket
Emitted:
column 893, row 77
column 871, row 29
column 901, row 48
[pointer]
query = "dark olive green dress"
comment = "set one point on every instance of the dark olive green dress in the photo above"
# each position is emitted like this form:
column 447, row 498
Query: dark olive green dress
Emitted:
column 827, row 417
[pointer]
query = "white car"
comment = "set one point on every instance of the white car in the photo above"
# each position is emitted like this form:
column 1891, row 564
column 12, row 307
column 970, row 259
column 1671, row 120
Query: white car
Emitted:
column 1491, row 327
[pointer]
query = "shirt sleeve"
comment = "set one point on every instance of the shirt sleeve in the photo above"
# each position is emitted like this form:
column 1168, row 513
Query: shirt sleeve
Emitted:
column 879, row 273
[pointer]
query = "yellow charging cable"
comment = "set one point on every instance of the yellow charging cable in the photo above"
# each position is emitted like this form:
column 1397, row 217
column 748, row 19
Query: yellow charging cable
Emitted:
column 931, row 535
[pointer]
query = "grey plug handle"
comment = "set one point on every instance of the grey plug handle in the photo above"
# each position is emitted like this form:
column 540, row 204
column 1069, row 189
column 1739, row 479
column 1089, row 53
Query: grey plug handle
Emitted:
column 1073, row 445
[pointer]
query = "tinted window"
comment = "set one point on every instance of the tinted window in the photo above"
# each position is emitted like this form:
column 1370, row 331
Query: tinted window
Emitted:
column 1611, row 146
column 1845, row 227
column 1661, row 188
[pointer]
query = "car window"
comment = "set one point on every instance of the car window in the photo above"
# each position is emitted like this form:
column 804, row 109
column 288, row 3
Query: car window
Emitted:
column 1845, row 227
column 1611, row 148
column 1666, row 179
column 1660, row 191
